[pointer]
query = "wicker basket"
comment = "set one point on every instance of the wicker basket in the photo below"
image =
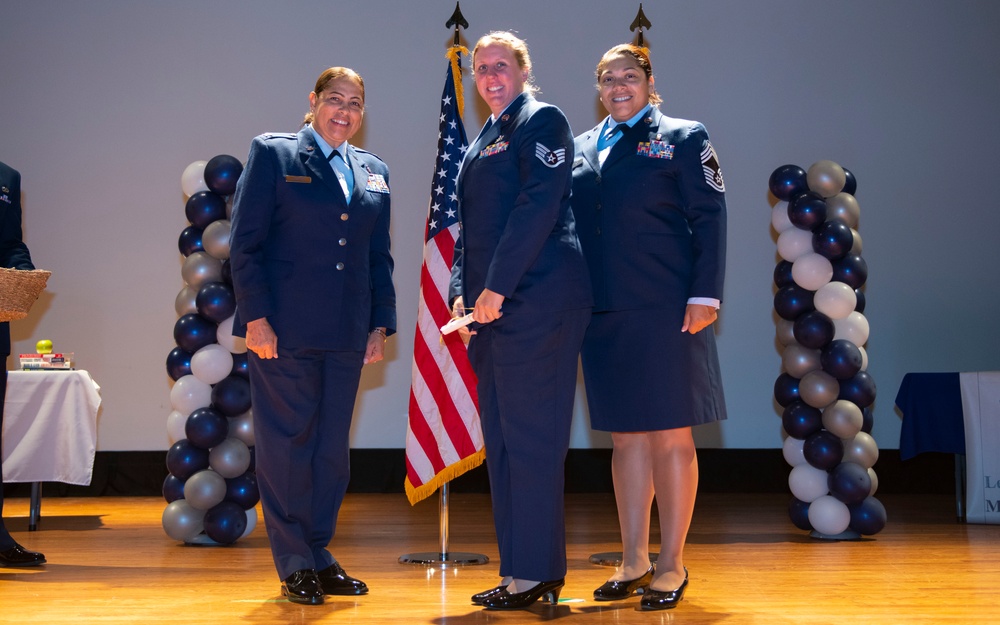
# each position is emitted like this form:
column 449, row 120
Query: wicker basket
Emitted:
column 18, row 291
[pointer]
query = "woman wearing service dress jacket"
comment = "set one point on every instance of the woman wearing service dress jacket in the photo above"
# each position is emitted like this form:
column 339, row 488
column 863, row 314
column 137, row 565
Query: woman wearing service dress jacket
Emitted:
column 312, row 274
column 519, row 252
column 649, row 200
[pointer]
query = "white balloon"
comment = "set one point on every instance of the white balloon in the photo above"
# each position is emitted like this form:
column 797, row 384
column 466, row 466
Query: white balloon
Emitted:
column 811, row 271
column 836, row 300
column 251, row 522
column 176, row 421
column 193, row 178
column 864, row 359
column 224, row 335
column 189, row 393
column 792, row 451
column 793, row 243
column 808, row 483
column 779, row 217
column 853, row 327
column 212, row 364
column 828, row 515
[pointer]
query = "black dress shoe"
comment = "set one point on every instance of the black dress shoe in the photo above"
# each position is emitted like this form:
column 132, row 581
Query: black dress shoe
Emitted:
column 613, row 591
column 479, row 597
column 19, row 556
column 303, row 587
column 506, row 600
column 336, row 582
column 663, row 599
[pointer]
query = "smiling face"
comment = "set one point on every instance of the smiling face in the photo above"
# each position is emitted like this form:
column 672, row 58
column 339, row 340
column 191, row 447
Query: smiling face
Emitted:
column 624, row 88
column 499, row 78
column 337, row 110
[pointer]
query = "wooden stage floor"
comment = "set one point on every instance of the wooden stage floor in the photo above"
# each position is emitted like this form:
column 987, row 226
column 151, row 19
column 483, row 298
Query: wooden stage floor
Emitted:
column 110, row 562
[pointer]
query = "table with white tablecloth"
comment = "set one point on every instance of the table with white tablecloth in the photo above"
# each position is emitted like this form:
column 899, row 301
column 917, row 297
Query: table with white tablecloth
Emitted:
column 49, row 430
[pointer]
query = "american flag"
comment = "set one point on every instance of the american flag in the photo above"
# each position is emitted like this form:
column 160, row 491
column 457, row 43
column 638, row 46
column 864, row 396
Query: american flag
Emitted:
column 444, row 438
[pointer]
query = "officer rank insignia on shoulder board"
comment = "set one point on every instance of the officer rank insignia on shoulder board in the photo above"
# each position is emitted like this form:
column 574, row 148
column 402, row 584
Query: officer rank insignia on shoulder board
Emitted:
column 713, row 173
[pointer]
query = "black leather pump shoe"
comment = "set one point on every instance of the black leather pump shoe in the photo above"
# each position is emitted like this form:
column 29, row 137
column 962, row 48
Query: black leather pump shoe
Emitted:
column 613, row 591
column 664, row 599
column 506, row 600
column 479, row 597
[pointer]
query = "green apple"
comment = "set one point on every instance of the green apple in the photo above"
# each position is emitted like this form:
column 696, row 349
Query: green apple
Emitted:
column 44, row 346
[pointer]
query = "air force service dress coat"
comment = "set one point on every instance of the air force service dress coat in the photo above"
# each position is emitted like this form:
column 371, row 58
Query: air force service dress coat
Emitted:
column 13, row 255
column 652, row 223
column 518, row 239
column 319, row 269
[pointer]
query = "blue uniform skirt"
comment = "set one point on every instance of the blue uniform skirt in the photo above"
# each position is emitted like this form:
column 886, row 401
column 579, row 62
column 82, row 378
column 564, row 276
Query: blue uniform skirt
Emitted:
column 642, row 373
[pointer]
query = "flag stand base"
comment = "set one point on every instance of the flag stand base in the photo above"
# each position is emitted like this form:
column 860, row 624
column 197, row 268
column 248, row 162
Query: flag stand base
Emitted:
column 443, row 558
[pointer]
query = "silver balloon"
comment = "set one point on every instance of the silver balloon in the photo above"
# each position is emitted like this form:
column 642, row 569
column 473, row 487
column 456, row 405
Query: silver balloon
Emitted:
column 785, row 331
column 204, row 489
column 230, row 458
column 844, row 207
column 215, row 239
column 861, row 449
column 826, row 178
column 828, row 515
column 859, row 245
column 184, row 303
column 798, row 360
column 201, row 267
column 241, row 427
column 864, row 358
column 843, row 418
column 181, row 521
column 819, row 389
column 874, row 479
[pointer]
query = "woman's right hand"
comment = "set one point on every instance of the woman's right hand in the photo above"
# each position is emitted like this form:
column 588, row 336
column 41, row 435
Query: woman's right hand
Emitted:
column 261, row 338
column 458, row 310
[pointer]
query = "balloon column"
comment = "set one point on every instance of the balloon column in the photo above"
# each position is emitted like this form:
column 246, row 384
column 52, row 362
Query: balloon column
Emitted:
column 211, row 490
column 825, row 389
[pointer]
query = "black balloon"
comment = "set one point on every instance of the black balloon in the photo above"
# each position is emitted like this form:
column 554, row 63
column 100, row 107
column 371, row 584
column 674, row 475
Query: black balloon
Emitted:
column 786, row 389
column 173, row 488
column 860, row 307
column 241, row 366
column 192, row 332
column 833, row 239
column 823, row 450
column 813, row 329
column 801, row 420
column 807, row 210
column 798, row 512
column 216, row 301
column 185, row 459
column 788, row 181
column 231, row 396
column 859, row 389
column 227, row 272
column 850, row 182
column 178, row 363
column 852, row 270
column 868, row 517
column 190, row 241
column 222, row 172
column 243, row 490
column 849, row 482
column 783, row 274
column 225, row 523
column 204, row 207
column 842, row 359
column 867, row 420
column 206, row 427
column 792, row 301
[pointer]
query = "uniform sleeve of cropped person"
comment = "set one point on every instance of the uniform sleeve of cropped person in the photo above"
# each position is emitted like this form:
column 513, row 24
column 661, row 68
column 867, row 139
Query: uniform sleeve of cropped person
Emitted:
column 13, row 252
column 383, row 313
column 704, row 202
column 253, row 208
column 543, row 189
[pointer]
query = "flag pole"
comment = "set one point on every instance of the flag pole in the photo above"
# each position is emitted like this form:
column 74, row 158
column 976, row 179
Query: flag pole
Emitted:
column 614, row 558
column 444, row 558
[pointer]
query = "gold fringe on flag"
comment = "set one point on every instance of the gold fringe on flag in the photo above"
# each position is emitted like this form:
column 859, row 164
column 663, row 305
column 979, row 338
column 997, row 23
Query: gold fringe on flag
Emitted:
column 415, row 494
column 454, row 54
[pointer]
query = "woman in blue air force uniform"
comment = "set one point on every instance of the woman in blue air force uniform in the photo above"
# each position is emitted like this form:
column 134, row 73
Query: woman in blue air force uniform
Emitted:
column 313, row 279
column 649, row 201
column 519, row 252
